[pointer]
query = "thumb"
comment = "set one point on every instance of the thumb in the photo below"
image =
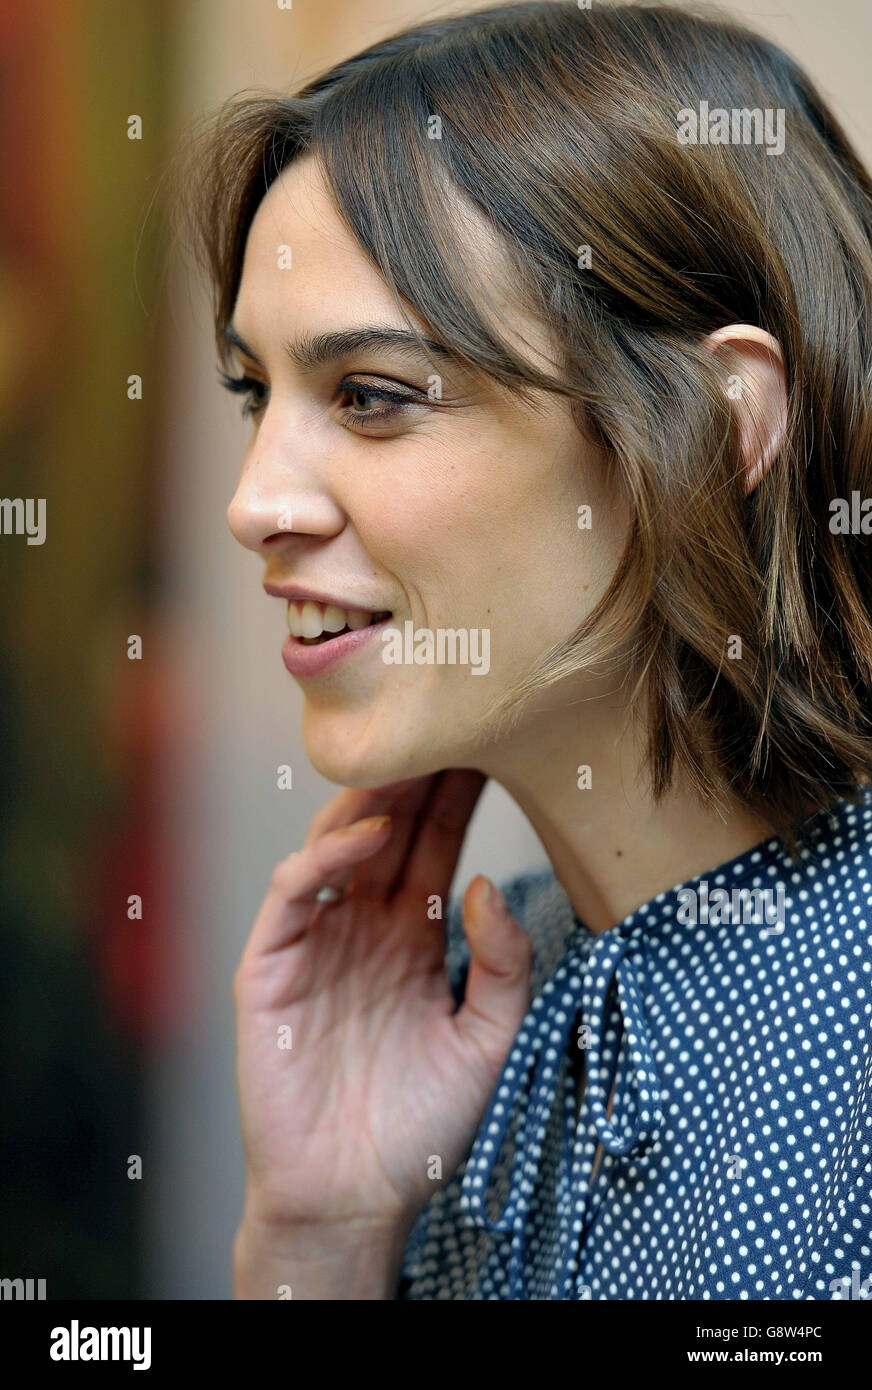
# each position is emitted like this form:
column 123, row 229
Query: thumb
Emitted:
column 498, row 983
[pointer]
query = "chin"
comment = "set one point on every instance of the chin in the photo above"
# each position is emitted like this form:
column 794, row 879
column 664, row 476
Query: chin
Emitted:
column 363, row 752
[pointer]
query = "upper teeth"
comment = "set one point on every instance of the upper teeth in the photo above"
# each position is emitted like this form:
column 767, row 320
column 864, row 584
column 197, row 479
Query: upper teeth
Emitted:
column 310, row 619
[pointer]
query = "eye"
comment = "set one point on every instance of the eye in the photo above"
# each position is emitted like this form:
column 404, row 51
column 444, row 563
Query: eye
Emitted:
column 366, row 407
column 253, row 391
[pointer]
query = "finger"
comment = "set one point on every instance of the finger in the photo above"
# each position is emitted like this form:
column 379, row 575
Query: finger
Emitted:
column 378, row 876
column 433, row 857
column 287, row 910
column 497, row 993
column 352, row 804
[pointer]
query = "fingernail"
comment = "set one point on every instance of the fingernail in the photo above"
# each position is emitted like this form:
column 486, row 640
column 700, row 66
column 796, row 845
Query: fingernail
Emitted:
column 370, row 824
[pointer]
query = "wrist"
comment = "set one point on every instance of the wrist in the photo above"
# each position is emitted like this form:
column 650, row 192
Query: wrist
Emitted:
column 353, row 1259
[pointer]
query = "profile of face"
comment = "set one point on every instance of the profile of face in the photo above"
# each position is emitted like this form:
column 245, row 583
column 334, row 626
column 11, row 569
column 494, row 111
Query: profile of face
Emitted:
column 450, row 509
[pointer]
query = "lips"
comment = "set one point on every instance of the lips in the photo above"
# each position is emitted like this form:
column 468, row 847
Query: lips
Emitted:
column 324, row 628
column 314, row 657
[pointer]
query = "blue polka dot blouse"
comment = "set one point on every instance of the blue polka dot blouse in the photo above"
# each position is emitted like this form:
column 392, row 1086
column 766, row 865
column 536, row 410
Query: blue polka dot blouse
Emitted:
column 729, row 1022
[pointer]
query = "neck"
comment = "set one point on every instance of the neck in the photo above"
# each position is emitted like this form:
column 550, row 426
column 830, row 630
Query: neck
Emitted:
column 611, row 847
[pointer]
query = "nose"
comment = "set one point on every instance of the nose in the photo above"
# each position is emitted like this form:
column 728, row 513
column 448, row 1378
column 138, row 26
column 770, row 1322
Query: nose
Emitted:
column 278, row 495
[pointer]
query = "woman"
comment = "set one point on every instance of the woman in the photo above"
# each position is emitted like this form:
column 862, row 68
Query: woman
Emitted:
column 555, row 329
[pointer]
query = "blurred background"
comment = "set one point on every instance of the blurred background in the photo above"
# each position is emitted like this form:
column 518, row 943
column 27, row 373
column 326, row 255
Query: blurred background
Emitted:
column 139, row 812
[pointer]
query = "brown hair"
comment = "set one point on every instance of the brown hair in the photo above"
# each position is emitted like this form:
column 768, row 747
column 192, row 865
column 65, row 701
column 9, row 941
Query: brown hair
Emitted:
column 560, row 125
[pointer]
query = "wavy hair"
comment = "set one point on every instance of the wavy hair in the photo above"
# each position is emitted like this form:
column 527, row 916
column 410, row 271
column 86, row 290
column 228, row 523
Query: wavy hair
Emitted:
column 559, row 125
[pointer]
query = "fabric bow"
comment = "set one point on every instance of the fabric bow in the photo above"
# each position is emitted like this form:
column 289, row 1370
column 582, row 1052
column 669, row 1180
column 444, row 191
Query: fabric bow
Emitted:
column 528, row 1088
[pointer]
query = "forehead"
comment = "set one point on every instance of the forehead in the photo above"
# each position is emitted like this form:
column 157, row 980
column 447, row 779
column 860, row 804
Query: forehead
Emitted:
column 301, row 260
column 304, row 270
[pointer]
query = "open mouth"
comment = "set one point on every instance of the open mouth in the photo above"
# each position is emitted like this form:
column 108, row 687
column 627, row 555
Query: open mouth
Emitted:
column 313, row 624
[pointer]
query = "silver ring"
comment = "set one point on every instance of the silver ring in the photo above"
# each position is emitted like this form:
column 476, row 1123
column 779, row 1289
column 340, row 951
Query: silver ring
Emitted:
column 328, row 894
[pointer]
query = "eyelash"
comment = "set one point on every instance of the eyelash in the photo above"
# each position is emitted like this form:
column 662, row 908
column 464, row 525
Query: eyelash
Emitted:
column 243, row 386
column 248, row 386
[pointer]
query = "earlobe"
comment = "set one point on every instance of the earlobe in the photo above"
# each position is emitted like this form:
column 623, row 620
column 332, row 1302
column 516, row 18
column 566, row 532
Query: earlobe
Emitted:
column 757, row 391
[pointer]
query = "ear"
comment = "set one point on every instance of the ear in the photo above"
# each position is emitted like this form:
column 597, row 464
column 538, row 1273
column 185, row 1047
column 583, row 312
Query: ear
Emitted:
column 758, row 394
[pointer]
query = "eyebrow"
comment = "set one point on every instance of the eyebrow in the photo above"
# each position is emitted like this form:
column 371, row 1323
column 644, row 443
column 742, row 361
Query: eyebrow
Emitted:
column 317, row 350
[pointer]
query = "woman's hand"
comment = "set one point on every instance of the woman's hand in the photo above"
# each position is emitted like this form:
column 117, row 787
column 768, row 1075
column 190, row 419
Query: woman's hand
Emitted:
column 361, row 1089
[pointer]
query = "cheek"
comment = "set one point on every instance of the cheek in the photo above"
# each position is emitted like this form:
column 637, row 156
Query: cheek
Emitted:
column 493, row 526
column 427, row 520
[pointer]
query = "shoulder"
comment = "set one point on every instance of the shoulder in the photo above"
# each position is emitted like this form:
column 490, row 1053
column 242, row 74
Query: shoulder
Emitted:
column 536, row 901
column 829, row 888
column 839, row 835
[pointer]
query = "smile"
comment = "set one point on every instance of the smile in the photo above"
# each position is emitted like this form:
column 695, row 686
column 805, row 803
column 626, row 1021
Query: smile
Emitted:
column 315, row 623
column 321, row 635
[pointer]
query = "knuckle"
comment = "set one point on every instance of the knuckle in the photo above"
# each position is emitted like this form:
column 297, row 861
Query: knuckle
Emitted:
column 281, row 877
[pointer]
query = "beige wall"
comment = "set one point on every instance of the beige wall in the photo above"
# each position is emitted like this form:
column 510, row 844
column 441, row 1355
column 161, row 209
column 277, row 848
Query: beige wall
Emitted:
column 226, row 824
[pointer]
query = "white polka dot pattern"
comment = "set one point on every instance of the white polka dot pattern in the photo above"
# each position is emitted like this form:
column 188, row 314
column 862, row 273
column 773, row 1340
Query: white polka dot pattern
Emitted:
column 735, row 1162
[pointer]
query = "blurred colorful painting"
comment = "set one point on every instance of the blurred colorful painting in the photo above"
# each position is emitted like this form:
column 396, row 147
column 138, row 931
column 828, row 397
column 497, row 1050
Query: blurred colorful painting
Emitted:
column 79, row 720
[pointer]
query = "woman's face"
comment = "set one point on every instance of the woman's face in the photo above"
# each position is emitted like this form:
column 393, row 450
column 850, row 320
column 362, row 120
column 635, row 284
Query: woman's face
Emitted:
column 455, row 512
